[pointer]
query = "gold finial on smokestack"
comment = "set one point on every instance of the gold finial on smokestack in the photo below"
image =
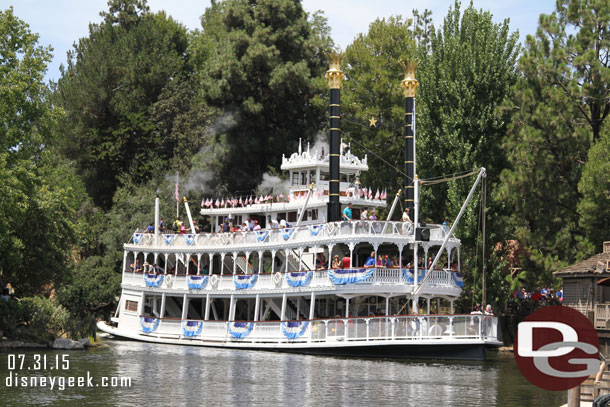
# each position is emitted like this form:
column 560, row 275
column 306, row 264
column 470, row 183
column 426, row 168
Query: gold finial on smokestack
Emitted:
column 334, row 74
column 409, row 83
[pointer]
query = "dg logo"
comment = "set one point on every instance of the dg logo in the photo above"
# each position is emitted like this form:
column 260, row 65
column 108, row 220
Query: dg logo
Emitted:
column 557, row 348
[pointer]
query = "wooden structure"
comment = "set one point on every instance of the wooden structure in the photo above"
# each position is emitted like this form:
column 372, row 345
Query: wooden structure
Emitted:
column 586, row 288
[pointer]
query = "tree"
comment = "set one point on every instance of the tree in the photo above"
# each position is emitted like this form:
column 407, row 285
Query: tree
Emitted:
column 372, row 89
column 39, row 193
column 559, row 108
column 594, row 185
column 112, row 80
column 258, row 60
column 465, row 72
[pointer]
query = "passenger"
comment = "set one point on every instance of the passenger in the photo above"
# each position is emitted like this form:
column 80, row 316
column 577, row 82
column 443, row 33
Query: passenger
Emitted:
column 162, row 225
column 177, row 224
column 364, row 215
column 394, row 262
column 429, row 262
column 256, row 226
column 386, row 261
column 347, row 261
column 489, row 310
column 150, row 228
column 373, row 216
column 405, row 216
column 250, row 223
column 195, row 227
column 379, row 261
column 347, row 212
column 282, row 222
column 370, row 261
column 336, row 262
column 138, row 266
column 182, row 228
column 225, row 226
column 320, row 260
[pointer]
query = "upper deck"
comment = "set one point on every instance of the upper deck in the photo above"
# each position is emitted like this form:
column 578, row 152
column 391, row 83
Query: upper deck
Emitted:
column 316, row 235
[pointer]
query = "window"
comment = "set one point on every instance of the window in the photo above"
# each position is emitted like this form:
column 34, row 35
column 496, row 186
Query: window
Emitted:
column 324, row 176
column 313, row 214
column 131, row 305
column 295, row 178
column 292, row 217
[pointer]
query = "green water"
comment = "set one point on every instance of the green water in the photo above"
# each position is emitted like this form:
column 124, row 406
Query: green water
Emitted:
column 166, row 375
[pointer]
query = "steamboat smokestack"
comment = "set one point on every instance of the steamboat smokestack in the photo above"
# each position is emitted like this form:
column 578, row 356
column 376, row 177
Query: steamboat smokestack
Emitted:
column 409, row 85
column 334, row 76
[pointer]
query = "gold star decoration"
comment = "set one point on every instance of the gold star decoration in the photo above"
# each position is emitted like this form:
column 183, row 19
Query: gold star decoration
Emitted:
column 373, row 122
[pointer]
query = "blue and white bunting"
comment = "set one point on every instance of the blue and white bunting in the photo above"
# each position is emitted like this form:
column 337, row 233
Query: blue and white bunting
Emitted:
column 240, row 329
column 299, row 278
column 192, row 328
column 457, row 279
column 149, row 324
column 349, row 276
column 196, row 282
column 408, row 275
column 137, row 237
column 244, row 281
column 168, row 239
column 315, row 229
column 190, row 239
column 294, row 329
column 287, row 232
column 261, row 235
column 153, row 280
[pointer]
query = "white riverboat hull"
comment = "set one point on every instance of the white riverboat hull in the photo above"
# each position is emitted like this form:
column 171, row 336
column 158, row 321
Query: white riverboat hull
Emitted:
column 422, row 348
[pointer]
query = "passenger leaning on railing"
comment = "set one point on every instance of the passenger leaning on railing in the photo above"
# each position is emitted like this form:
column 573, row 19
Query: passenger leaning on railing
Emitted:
column 336, row 263
column 370, row 261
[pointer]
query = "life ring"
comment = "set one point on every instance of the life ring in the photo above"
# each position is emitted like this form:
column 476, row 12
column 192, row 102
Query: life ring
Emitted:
column 277, row 279
column 407, row 228
column 214, row 280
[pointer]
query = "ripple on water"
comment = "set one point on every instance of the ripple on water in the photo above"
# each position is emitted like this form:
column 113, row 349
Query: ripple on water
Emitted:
column 185, row 376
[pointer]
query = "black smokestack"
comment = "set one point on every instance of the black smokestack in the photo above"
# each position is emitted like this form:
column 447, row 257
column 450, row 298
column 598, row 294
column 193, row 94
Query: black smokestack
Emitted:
column 409, row 85
column 334, row 76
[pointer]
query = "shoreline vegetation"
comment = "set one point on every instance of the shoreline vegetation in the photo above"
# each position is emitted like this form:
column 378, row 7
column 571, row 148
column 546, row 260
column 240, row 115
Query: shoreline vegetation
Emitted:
column 144, row 105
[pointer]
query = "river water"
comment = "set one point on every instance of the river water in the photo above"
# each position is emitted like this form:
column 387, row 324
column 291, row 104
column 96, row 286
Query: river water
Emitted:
column 167, row 375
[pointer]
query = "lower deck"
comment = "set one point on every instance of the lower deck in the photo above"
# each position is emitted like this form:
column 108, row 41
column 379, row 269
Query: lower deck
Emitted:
column 403, row 336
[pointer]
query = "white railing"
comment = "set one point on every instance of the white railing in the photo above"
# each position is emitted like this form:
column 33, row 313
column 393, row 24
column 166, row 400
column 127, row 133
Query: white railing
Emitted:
column 412, row 328
column 304, row 233
column 278, row 281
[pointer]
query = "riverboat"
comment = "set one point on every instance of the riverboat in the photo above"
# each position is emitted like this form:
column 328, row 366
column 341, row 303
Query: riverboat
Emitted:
column 275, row 286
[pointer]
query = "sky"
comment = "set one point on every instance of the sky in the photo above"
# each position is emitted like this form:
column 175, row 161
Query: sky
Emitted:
column 60, row 23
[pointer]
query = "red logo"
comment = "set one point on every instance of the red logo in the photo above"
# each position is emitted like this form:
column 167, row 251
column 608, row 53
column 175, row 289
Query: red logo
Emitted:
column 556, row 348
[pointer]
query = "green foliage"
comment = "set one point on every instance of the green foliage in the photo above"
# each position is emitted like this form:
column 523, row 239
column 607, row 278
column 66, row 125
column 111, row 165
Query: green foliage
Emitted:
column 25, row 116
column 258, row 61
column 559, row 106
column 465, row 72
column 112, row 80
column 40, row 193
column 594, row 185
column 36, row 318
column 372, row 89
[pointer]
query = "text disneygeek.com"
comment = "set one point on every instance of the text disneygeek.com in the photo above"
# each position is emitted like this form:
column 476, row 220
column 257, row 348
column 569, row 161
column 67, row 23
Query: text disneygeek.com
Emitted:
column 18, row 363
column 61, row 382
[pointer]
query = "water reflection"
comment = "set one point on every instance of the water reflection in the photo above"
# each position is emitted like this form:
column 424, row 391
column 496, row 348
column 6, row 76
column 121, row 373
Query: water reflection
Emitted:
column 185, row 376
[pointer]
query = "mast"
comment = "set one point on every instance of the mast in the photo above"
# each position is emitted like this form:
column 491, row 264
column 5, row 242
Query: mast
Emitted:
column 334, row 76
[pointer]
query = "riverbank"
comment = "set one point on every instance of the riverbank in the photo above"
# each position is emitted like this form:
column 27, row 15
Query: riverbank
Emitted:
column 58, row 343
